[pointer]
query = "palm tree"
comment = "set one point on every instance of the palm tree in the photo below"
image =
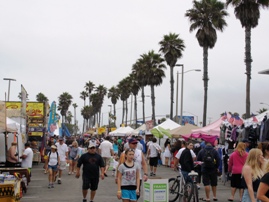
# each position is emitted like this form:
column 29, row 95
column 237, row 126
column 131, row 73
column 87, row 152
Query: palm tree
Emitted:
column 113, row 93
column 89, row 88
column 207, row 16
column 101, row 91
column 69, row 117
column 139, row 72
column 86, row 113
column 83, row 96
column 262, row 110
column 155, row 74
column 172, row 47
column 248, row 12
column 65, row 100
column 134, row 90
column 40, row 97
column 75, row 121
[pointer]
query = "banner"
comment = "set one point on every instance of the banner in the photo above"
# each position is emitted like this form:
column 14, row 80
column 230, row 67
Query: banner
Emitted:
column 23, row 101
column 33, row 109
column 2, row 116
column 52, row 124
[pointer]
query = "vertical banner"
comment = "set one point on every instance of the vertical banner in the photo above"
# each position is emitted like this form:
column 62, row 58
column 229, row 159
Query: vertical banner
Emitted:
column 23, row 110
column 52, row 126
column 149, row 126
column 3, row 118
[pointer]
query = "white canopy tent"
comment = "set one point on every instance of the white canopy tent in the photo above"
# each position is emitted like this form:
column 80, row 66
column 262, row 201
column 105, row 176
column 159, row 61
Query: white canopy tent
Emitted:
column 122, row 131
column 140, row 128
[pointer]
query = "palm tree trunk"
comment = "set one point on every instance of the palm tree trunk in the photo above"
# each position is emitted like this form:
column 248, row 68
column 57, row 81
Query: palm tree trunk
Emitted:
column 83, row 128
column 172, row 91
column 135, row 110
column 126, row 109
column 205, row 78
column 248, row 61
column 114, row 106
column 143, row 102
column 153, row 104
column 122, row 121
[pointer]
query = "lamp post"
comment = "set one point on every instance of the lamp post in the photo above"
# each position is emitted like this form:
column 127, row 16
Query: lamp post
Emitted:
column 9, row 80
column 182, row 82
column 109, row 113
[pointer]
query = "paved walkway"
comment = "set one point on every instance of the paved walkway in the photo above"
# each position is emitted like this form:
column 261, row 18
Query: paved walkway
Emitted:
column 70, row 189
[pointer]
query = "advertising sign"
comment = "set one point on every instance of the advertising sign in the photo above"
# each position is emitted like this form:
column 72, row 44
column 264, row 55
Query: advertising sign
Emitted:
column 156, row 190
column 33, row 109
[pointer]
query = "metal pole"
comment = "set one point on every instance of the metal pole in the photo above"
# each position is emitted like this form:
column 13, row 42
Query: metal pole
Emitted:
column 131, row 109
column 9, row 81
column 181, row 104
column 177, row 100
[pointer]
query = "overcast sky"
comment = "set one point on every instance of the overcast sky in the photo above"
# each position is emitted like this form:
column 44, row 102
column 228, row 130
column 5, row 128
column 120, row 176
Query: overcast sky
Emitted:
column 56, row 46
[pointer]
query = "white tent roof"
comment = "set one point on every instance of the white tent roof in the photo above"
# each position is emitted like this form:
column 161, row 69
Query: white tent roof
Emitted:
column 136, row 131
column 12, row 126
column 168, row 124
column 122, row 131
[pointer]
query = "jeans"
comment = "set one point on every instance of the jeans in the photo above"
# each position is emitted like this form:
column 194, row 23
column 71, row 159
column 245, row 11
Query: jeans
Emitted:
column 246, row 197
column 186, row 176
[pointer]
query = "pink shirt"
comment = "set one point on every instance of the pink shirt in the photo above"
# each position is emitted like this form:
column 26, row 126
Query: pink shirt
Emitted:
column 236, row 162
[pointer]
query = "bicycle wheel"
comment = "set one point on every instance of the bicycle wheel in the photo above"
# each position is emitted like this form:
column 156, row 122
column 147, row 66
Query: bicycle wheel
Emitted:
column 188, row 192
column 173, row 189
column 193, row 197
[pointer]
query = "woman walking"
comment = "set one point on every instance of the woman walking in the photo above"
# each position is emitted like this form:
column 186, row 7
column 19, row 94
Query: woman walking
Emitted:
column 252, row 173
column 236, row 163
column 128, row 178
column 53, row 165
column 73, row 157
column 167, row 152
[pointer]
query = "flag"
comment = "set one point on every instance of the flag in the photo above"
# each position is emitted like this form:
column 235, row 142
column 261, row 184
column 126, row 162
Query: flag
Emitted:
column 237, row 121
column 254, row 119
column 231, row 119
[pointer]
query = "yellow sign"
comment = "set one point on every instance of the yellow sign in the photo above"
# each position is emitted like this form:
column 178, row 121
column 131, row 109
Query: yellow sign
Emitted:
column 35, row 134
column 101, row 130
column 33, row 109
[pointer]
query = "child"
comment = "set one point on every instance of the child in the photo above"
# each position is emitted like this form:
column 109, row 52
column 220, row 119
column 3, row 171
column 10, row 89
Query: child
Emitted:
column 128, row 178
column 115, row 163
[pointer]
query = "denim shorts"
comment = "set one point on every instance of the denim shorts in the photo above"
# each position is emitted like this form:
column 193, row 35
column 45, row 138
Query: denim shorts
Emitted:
column 246, row 197
column 53, row 168
column 128, row 194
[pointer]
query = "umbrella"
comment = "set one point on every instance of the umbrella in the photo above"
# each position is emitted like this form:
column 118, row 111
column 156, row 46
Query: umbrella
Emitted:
column 165, row 131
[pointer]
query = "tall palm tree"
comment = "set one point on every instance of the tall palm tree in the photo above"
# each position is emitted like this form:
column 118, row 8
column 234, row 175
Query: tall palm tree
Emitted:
column 155, row 74
column 207, row 16
column 40, row 97
column 75, row 117
column 86, row 113
column 89, row 88
column 248, row 12
column 83, row 96
column 113, row 93
column 172, row 47
column 65, row 100
column 134, row 90
column 101, row 91
column 139, row 72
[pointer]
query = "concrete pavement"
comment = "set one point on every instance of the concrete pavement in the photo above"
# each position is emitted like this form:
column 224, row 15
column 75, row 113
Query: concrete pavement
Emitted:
column 70, row 189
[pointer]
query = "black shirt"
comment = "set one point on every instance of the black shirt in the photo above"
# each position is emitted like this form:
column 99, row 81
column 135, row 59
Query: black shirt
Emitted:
column 91, row 164
column 265, row 180
column 186, row 161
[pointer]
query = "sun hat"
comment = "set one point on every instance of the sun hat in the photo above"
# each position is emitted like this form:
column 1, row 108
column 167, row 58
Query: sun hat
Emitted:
column 53, row 147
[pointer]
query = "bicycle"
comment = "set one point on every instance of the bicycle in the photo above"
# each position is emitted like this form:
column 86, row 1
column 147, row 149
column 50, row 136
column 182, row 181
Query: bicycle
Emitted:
column 176, row 187
column 188, row 192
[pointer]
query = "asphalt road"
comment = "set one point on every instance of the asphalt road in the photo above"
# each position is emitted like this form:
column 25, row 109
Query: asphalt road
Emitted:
column 70, row 189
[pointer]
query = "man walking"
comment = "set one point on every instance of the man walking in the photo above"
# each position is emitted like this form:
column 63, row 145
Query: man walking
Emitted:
column 91, row 163
column 106, row 151
column 153, row 151
column 211, row 160
column 63, row 154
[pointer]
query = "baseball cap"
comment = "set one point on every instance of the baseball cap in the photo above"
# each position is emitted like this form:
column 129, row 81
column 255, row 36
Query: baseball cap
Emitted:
column 60, row 138
column 91, row 145
column 132, row 141
column 245, row 140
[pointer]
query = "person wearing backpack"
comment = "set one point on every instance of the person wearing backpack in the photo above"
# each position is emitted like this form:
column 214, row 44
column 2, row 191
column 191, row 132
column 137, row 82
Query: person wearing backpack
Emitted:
column 53, row 165
column 211, row 160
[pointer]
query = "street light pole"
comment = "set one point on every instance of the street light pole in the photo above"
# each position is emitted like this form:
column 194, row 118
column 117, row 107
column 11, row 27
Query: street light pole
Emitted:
column 109, row 114
column 9, row 81
column 177, row 101
column 262, row 103
column 182, row 82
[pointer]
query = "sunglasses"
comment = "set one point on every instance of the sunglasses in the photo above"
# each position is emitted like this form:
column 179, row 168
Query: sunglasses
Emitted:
column 92, row 148
column 134, row 143
column 130, row 150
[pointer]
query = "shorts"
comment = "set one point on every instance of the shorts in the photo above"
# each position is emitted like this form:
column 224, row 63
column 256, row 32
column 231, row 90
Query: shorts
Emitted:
column 106, row 161
column 128, row 194
column 153, row 161
column 53, row 168
column 72, row 159
column 62, row 165
column 236, row 181
column 210, row 178
column 90, row 183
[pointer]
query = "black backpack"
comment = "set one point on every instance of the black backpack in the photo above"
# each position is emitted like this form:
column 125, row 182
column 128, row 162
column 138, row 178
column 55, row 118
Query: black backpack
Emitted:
column 209, row 160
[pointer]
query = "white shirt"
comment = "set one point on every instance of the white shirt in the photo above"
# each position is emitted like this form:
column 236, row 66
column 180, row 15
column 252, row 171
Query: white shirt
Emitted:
column 181, row 150
column 28, row 161
column 62, row 149
column 106, row 148
column 53, row 158
column 153, row 149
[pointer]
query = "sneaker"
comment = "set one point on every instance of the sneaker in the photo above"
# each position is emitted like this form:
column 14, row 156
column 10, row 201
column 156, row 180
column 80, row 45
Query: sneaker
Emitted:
column 105, row 174
column 49, row 186
column 52, row 186
column 72, row 173
column 84, row 200
column 59, row 182
column 151, row 174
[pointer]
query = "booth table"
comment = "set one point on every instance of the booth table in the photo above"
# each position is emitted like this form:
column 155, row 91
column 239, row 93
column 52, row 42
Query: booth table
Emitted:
column 10, row 191
column 22, row 171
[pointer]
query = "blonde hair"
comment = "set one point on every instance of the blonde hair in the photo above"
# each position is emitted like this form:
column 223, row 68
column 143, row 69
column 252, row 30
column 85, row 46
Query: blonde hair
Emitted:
column 75, row 144
column 241, row 148
column 253, row 160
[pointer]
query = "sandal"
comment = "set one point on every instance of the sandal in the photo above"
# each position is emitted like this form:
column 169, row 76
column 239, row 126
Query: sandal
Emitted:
column 215, row 199
column 203, row 199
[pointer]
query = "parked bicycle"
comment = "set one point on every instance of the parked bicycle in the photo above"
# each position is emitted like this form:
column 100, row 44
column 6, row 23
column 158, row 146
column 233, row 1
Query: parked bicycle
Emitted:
column 186, row 192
